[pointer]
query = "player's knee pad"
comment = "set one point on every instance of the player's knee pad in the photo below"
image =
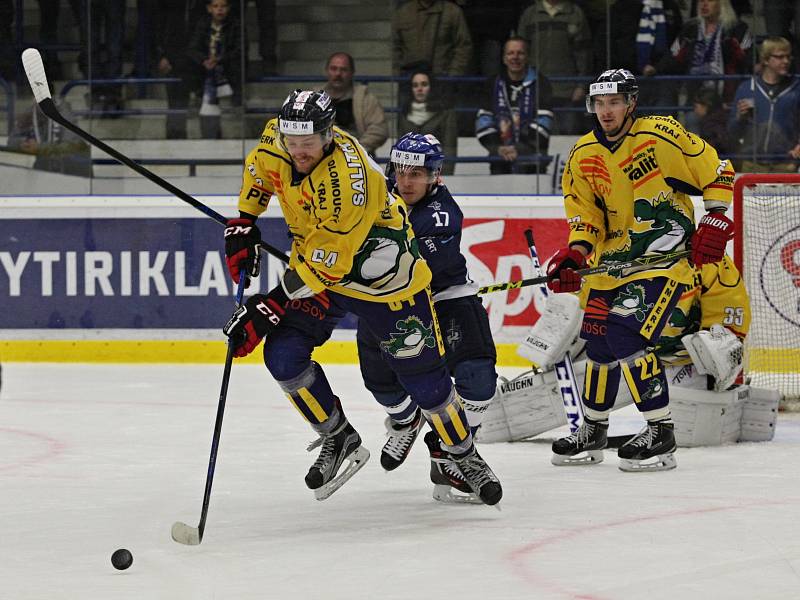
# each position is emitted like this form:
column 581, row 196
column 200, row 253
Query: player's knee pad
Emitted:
column 428, row 389
column 600, row 385
column 311, row 395
column 646, row 380
column 449, row 421
column 476, row 383
column 287, row 356
column 476, row 379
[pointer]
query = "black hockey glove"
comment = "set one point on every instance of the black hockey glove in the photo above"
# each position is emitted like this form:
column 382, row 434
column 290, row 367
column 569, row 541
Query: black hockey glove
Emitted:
column 256, row 319
column 242, row 247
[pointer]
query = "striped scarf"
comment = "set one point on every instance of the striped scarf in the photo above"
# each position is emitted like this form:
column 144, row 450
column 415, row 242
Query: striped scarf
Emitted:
column 652, row 35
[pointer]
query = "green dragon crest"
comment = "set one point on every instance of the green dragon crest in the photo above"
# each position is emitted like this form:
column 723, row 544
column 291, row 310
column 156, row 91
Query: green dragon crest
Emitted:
column 411, row 339
column 631, row 302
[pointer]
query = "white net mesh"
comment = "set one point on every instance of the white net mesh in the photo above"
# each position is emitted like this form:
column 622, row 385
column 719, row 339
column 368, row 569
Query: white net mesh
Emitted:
column 769, row 216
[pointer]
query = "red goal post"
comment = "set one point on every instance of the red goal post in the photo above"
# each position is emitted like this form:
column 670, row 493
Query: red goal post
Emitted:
column 767, row 252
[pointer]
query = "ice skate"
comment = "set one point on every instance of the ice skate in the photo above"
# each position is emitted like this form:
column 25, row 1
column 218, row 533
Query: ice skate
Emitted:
column 479, row 476
column 342, row 444
column 651, row 450
column 584, row 447
column 401, row 439
column 446, row 476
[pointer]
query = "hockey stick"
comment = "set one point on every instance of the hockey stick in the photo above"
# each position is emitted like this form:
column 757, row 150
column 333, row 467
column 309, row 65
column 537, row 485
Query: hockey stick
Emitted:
column 34, row 70
column 181, row 532
column 565, row 373
column 610, row 268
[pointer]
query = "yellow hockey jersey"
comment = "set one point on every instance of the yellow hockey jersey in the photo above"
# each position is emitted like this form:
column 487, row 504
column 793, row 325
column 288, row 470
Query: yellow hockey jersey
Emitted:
column 631, row 198
column 717, row 296
column 350, row 235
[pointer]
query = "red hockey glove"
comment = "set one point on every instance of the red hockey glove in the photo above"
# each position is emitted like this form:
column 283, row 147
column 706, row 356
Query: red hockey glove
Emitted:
column 242, row 245
column 255, row 319
column 562, row 270
column 709, row 241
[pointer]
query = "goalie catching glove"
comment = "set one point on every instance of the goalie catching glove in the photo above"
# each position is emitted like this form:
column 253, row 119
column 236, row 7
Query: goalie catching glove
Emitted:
column 561, row 271
column 708, row 243
column 242, row 248
column 262, row 313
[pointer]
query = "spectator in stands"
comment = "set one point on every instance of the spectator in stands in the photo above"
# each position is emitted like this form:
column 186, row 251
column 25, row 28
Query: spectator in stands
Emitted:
column 714, row 42
column 430, row 34
column 560, row 45
column 358, row 111
column 50, row 29
column 170, row 39
column 267, row 36
column 101, row 57
column 642, row 32
column 518, row 119
column 765, row 116
column 56, row 148
column 7, row 40
column 424, row 111
column 490, row 24
column 711, row 120
column 214, row 70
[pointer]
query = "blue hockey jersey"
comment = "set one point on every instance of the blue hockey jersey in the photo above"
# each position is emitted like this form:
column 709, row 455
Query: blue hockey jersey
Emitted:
column 437, row 221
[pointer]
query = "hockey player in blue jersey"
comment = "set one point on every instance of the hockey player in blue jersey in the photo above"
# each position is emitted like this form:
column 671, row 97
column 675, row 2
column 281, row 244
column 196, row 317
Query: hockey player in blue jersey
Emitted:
column 414, row 173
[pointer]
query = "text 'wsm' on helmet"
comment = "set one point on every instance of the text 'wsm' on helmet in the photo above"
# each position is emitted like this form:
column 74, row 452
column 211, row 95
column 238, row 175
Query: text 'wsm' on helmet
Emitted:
column 613, row 81
column 416, row 150
column 305, row 112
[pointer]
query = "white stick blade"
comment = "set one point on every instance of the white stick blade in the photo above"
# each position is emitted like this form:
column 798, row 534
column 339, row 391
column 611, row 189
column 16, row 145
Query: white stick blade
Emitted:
column 34, row 69
column 184, row 534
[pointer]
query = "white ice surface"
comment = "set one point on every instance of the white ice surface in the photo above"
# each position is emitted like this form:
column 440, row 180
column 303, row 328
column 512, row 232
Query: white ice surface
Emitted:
column 94, row 458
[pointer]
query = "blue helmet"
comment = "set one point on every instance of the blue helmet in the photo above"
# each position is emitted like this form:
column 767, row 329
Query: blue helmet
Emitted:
column 417, row 150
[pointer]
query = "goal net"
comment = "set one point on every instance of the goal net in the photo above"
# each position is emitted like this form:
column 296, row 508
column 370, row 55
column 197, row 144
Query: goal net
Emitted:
column 767, row 252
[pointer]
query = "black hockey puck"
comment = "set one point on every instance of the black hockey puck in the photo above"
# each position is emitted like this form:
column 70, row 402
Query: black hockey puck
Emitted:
column 122, row 559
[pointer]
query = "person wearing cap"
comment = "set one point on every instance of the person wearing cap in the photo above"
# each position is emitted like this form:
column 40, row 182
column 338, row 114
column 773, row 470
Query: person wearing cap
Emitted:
column 353, row 250
column 627, row 187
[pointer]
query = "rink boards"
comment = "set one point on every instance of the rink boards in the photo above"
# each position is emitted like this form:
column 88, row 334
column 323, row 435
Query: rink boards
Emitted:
column 143, row 279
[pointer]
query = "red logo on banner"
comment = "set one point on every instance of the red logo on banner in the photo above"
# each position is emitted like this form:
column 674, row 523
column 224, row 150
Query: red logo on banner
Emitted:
column 496, row 252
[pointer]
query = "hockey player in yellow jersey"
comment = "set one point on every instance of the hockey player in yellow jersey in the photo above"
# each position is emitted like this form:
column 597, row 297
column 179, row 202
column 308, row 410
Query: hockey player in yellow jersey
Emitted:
column 353, row 250
column 626, row 192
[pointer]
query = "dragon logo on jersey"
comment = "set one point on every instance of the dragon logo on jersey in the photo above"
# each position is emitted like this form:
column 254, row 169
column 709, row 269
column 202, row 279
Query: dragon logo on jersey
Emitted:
column 411, row 339
column 667, row 229
column 631, row 301
column 654, row 389
column 385, row 260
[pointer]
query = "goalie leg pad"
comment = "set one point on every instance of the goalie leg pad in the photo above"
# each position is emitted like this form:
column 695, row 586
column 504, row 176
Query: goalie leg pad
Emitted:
column 525, row 406
column 554, row 332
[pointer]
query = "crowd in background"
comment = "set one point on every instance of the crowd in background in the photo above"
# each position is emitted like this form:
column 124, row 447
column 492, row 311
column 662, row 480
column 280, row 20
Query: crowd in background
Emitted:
column 533, row 56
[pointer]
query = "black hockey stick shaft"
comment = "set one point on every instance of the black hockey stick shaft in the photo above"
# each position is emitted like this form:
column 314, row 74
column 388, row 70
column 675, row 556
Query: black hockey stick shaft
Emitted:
column 37, row 78
column 223, row 395
column 606, row 268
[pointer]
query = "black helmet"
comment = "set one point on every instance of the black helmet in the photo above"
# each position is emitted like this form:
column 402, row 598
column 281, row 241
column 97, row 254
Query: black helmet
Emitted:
column 613, row 81
column 305, row 112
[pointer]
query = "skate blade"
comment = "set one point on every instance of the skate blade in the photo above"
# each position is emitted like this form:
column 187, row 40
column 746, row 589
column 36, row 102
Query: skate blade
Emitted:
column 356, row 460
column 444, row 493
column 590, row 457
column 662, row 462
